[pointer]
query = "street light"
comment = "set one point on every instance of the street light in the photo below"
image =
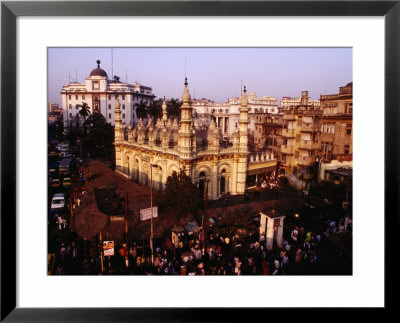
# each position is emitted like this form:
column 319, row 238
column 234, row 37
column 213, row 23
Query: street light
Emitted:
column 151, row 208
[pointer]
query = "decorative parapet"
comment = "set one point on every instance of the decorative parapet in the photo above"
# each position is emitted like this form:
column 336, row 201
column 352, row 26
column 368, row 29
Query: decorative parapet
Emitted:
column 260, row 157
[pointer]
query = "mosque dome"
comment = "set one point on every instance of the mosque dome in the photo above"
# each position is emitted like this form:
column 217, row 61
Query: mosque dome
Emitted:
column 98, row 71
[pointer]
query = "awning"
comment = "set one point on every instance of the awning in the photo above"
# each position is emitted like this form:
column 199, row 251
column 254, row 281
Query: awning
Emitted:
column 261, row 170
column 341, row 171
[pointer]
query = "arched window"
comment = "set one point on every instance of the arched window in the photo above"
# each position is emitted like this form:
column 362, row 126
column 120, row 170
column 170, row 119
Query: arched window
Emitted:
column 202, row 184
column 222, row 183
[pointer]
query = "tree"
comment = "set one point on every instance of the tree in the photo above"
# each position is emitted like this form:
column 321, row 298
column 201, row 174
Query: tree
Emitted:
column 141, row 110
column 84, row 110
column 180, row 195
column 155, row 110
column 173, row 108
column 100, row 137
column 56, row 130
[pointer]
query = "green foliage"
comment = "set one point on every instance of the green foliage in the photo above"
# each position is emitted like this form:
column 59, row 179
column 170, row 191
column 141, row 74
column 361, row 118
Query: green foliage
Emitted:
column 100, row 136
column 84, row 110
column 155, row 109
column 57, row 130
column 180, row 195
column 141, row 110
column 173, row 108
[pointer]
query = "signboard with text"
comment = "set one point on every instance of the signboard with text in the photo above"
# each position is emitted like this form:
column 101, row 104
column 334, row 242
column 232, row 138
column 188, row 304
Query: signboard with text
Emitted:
column 145, row 214
column 108, row 248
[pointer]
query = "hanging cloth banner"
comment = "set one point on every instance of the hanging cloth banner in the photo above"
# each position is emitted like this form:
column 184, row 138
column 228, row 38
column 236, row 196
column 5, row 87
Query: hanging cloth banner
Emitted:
column 263, row 224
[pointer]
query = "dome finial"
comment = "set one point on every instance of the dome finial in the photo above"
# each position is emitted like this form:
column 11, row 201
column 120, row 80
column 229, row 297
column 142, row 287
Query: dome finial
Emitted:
column 243, row 99
column 98, row 63
column 186, row 96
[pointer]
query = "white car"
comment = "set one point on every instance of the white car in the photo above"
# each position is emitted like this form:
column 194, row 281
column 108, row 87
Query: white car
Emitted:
column 58, row 201
column 65, row 155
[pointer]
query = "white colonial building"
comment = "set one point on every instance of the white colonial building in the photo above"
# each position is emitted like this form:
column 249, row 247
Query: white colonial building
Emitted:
column 288, row 102
column 101, row 93
column 149, row 153
column 227, row 114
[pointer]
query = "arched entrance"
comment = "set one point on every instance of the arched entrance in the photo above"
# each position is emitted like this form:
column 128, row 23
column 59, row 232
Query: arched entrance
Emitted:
column 222, row 183
column 127, row 169
column 202, row 184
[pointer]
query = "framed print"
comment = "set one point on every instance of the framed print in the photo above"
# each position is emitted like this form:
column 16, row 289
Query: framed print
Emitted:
column 33, row 31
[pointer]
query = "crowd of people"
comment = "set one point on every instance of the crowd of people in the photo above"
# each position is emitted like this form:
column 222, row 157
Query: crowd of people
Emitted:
column 300, row 253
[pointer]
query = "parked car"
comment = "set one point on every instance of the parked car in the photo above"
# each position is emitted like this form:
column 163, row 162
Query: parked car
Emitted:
column 65, row 154
column 67, row 182
column 54, row 154
column 55, row 183
column 58, row 201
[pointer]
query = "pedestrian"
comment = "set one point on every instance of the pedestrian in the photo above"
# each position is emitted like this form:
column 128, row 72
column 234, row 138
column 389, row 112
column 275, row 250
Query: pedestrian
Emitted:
column 59, row 221
column 299, row 256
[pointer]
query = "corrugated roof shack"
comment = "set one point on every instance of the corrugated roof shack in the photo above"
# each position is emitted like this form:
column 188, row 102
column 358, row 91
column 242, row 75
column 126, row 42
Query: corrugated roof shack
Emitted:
column 102, row 209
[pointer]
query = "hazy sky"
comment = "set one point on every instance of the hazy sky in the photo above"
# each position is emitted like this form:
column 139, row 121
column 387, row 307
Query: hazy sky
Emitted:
column 213, row 73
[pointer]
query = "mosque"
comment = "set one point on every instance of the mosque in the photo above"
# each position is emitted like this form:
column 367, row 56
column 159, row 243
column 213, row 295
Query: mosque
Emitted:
column 149, row 153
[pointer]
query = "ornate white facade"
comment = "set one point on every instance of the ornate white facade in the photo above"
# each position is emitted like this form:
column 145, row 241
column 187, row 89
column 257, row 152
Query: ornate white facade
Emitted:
column 101, row 93
column 161, row 147
column 227, row 114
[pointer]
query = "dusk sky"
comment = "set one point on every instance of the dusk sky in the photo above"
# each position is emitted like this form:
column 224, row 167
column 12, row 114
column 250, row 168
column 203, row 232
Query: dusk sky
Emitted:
column 213, row 73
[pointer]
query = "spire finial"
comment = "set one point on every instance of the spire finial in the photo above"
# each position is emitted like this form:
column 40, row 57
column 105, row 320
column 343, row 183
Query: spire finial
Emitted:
column 186, row 83
column 98, row 63
column 244, row 89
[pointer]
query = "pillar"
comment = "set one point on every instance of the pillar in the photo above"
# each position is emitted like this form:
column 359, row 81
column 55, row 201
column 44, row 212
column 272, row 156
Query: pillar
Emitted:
column 270, row 233
column 234, row 176
column 279, row 234
column 214, row 180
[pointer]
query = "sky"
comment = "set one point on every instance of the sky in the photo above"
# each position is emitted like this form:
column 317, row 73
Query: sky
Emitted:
column 213, row 73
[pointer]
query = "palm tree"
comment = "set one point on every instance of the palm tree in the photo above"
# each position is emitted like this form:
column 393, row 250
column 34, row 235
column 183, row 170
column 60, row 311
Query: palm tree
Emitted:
column 84, row 110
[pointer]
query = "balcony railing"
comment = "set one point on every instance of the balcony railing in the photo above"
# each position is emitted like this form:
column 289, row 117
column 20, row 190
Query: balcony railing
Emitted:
column 309, row 127
column 288, row 133
column 306, row 160
column 309, row 144
column 287, row 149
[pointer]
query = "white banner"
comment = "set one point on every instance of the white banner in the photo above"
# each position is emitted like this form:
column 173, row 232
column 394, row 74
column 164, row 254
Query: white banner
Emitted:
column 263, row 224
column 145, row 214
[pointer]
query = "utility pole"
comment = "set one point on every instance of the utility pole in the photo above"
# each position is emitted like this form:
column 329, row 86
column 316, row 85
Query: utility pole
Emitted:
column 101, row 253
column 126, row 217
column 151, row 210
column 205, row 217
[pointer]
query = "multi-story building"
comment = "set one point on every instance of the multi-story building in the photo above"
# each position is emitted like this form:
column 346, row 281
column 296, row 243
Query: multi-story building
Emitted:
column 288, row 102
column 226, row 115
column 101, row 93
column 273, row 126
column 300, row 147
column 54, row 108
column 149, row 153
column 336, row 137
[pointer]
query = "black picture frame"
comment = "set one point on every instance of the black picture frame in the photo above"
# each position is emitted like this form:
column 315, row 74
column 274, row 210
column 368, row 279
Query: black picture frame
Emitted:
column 10, row 10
